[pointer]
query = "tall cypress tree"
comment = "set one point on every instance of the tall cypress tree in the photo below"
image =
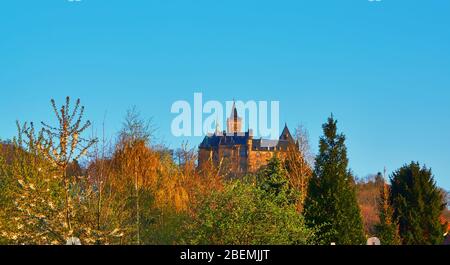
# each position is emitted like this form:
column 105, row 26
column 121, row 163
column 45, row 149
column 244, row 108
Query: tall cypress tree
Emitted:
column 417, row 205
column 331, row 204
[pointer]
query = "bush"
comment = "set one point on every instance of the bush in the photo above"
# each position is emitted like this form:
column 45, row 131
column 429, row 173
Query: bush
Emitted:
column 244, row 214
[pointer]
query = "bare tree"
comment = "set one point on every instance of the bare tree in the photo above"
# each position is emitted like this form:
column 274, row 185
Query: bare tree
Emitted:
column 301, row 135
column 135, row 128
column 299, row 161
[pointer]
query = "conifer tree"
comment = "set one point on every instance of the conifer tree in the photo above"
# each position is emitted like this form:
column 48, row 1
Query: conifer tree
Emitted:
column 331, row 204
column 417, row 205
column 387, row 229
column 274, row 181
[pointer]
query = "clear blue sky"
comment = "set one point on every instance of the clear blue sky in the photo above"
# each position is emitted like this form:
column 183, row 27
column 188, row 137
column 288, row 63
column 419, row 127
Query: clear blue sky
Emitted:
column 382, row 68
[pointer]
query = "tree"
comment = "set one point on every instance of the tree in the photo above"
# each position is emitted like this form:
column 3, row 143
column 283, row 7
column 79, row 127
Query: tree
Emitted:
column 331, row 202
column 273, row 180
column 298, row 162
column 40, row 199
column 244, row 214
column 387, row 230
column 108, row 206
column 301, row 136
column 63, row 144
column 36, row 210
column 135, row 162
column 151, row 182
column 5, row 196
column 417, row 205
column 47, row 204
column 135, row 128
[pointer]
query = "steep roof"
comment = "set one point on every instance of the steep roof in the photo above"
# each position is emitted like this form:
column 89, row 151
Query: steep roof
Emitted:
column 229, row 140
column 263, row 144
column 234, row 113
column 286, row 135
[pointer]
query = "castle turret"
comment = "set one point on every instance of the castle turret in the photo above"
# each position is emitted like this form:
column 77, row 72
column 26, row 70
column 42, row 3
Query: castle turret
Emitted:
column 286, row 135
column 234, row 122
column 249, row 140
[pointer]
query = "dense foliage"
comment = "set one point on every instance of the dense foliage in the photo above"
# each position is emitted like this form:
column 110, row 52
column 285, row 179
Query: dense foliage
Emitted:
column 55, row 185
column 418, row 205
column 331, row 203
column 244, row 214
column 387, row 229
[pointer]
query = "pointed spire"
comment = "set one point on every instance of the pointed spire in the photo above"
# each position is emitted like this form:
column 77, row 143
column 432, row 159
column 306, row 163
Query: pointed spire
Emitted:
column 234, row 122
column 217, row 131
column 286, row 134
column 234, row 113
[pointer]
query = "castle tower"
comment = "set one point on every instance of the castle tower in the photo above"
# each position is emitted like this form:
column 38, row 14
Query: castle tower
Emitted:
column 286, row 135
column 234, row 122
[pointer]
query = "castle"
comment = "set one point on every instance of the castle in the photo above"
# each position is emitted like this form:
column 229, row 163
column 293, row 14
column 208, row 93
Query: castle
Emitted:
column 239, row 150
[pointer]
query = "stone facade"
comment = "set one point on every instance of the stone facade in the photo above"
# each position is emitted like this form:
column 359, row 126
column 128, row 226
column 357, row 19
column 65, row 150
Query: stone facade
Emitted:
column 239, row 151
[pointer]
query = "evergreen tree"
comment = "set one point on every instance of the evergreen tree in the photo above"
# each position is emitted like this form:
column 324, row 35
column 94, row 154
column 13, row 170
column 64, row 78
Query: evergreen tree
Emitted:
column 417, row 205
column 273, row 179
column 331, row 204
column 387, row 229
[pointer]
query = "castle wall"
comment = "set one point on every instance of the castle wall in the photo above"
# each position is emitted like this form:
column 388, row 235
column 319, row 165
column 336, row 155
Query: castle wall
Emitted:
column 233, row 159
column 260, row 158
column 238, row 159
column 204, row 155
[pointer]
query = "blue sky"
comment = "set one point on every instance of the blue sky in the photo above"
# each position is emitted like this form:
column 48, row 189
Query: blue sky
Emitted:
column 382, row 68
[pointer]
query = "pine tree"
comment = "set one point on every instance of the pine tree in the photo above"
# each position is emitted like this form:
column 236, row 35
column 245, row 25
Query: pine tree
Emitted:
column 274, row 181
column 387, row 229
column 417, row 205
column 331, row 204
